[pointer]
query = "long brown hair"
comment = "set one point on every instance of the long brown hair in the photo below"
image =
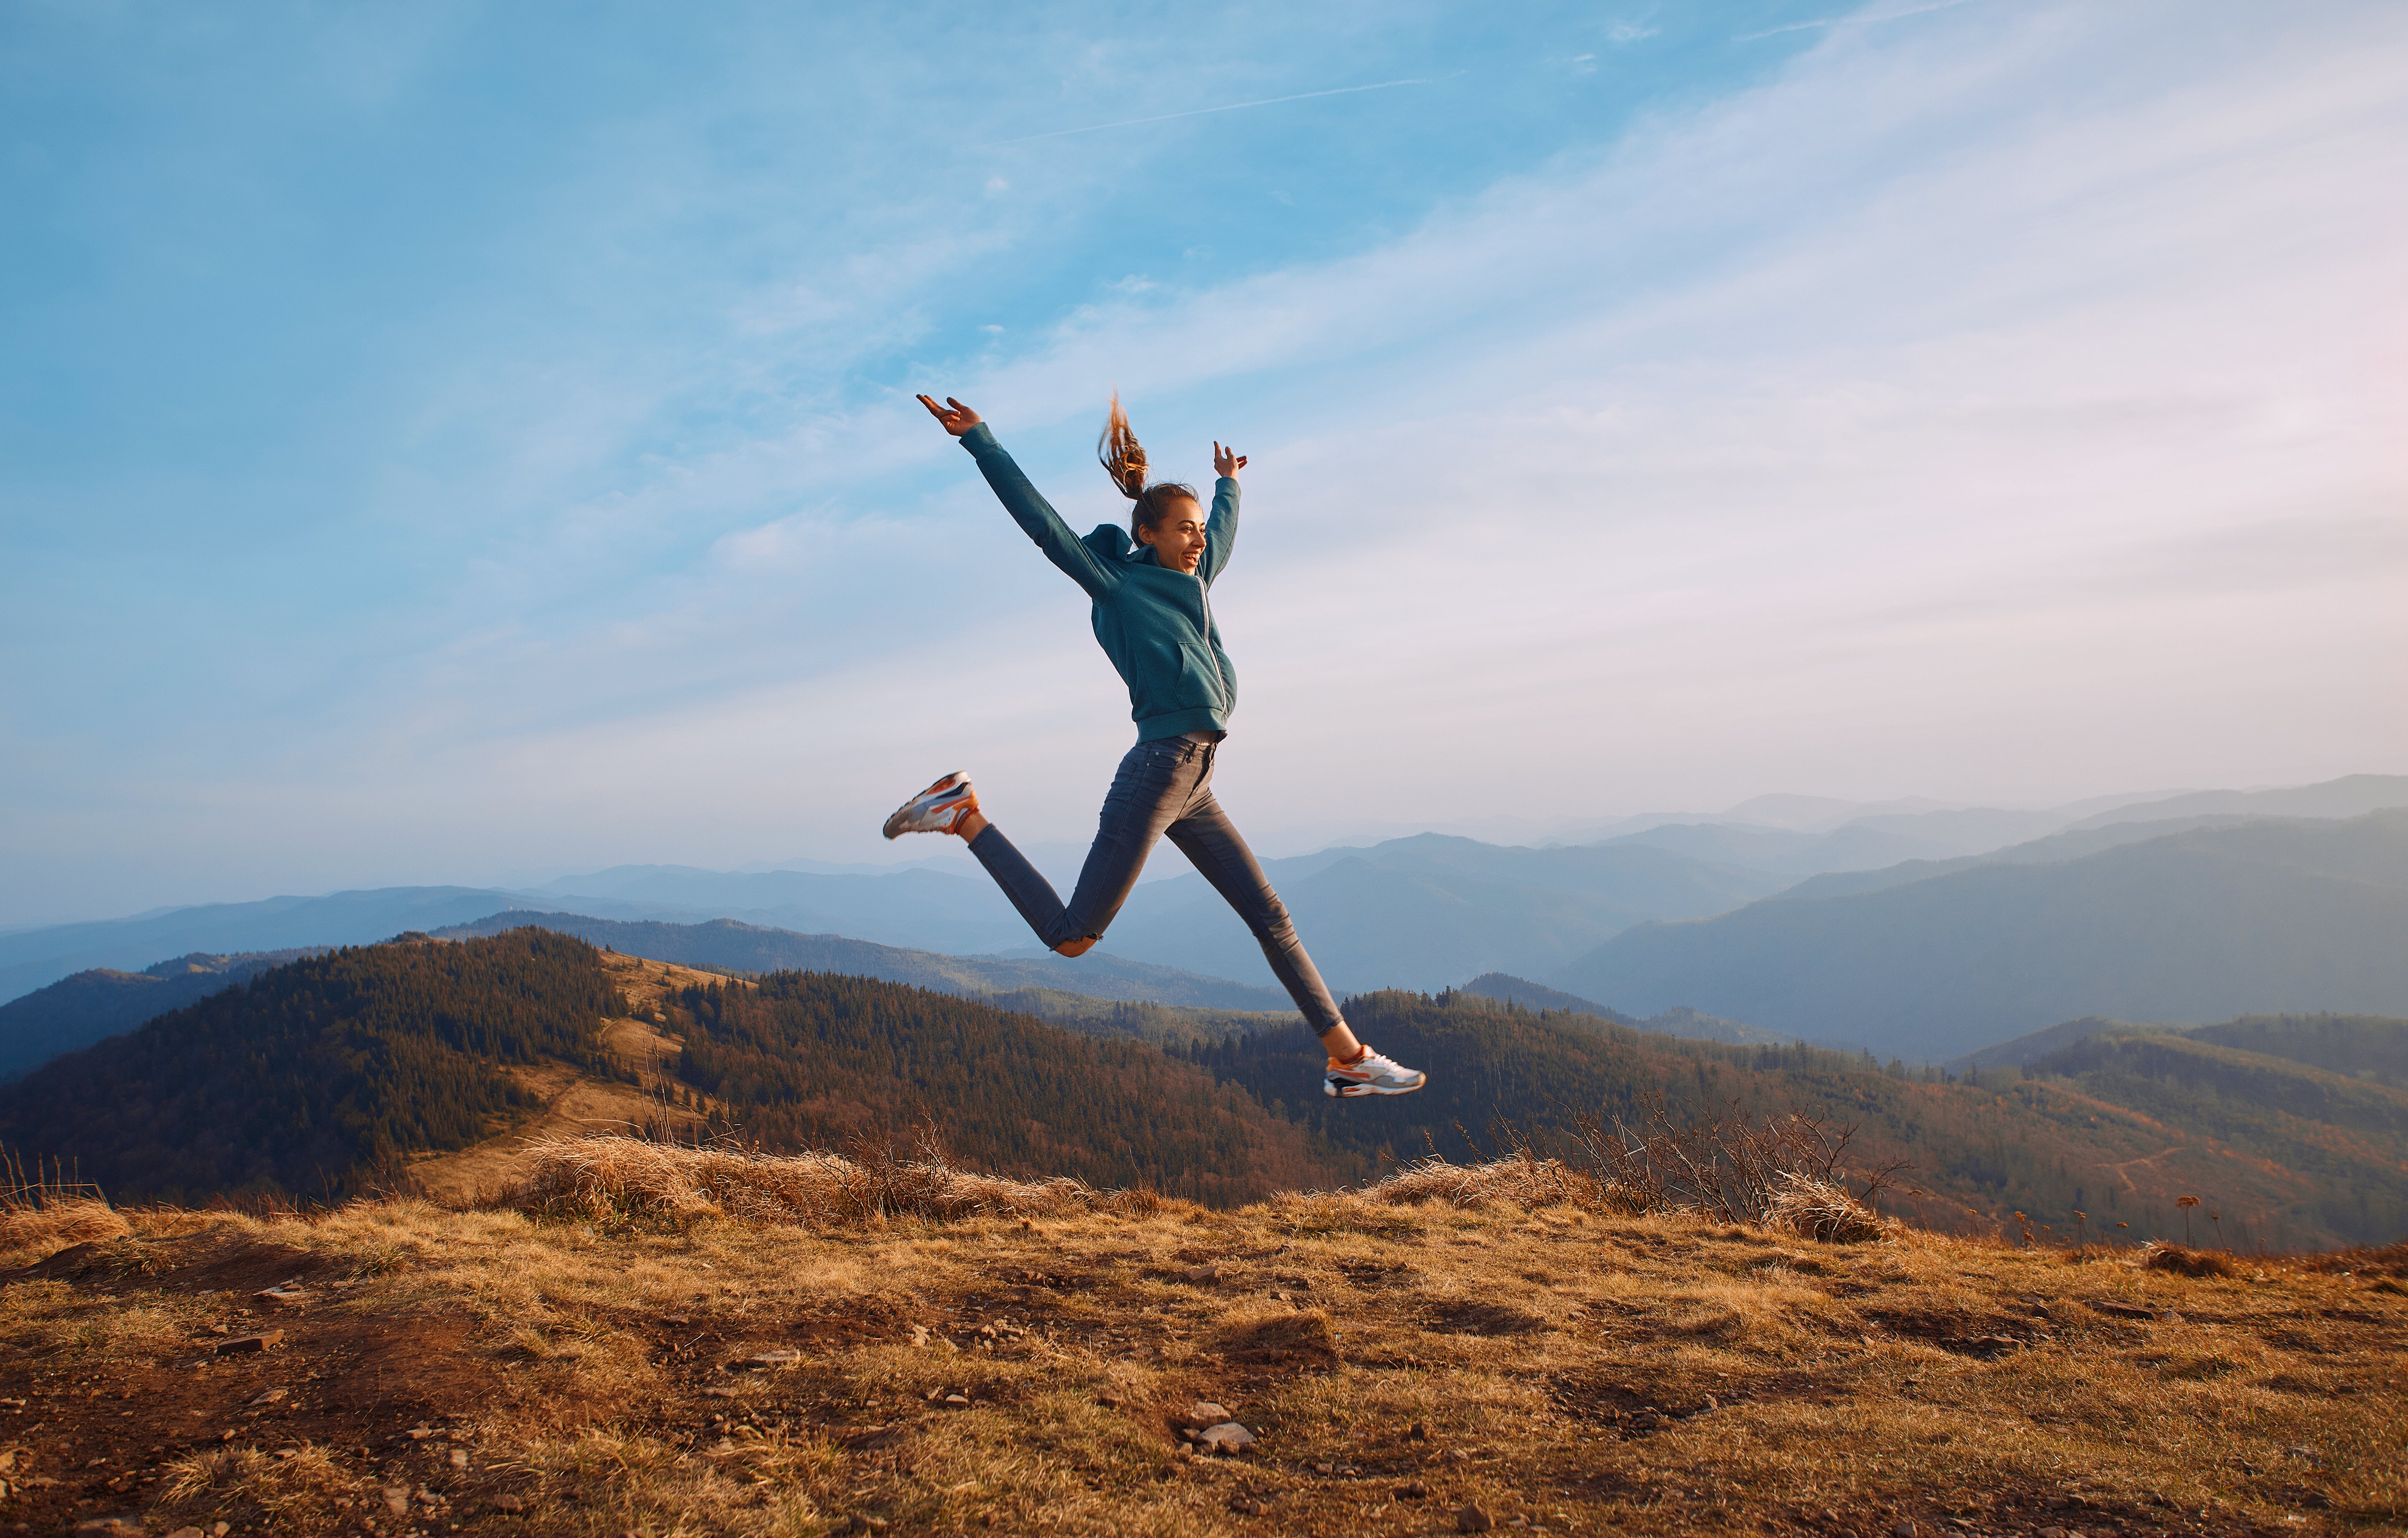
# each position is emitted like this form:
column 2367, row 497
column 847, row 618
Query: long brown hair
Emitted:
column 1124, row 458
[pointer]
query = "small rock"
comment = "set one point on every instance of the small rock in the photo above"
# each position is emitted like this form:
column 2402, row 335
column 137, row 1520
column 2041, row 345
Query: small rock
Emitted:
column 679, row 1320
column 1904, row 1530
column 265, row 1340
column 1228, row 1439
column 458, row 1458
column 783, row 1358
column 420, row 1433
column 1204, row 1413
column 397, row 1500
column 1203, row 1275
column 1182, row 1450
column 271, row 1396
column 1414, row 1492
column 959, row 1400
column 283, row 1295
column 919, row 1334
column 188, row 1533
column 1457, row 1455
column 867, row 1524
column 510, row 1503
column 1472, row 1520
column 721, row 1393
column 109, row 1526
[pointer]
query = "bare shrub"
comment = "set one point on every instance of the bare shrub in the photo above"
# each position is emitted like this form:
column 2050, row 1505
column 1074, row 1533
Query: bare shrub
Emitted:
column 613, row 1175
column 1783, row 1172
column 2183, row 1261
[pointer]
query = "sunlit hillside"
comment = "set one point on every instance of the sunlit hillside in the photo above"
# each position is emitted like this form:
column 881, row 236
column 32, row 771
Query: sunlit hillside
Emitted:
column 655, row 1341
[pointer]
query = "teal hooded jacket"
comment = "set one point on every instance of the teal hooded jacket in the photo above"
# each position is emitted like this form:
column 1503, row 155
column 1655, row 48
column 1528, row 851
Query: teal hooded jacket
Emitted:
column 1155, row 623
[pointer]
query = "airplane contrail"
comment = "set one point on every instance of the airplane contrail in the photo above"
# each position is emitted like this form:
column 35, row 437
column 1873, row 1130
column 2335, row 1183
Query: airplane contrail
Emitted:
column 1848, row 21
column 1200, row 111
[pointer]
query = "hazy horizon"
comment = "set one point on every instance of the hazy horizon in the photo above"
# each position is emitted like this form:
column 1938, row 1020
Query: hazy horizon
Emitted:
column 1060, row 858
column 477, row 440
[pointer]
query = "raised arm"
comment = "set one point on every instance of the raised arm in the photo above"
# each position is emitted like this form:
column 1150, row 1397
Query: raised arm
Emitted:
column 1032, row 512
column 1221, row 529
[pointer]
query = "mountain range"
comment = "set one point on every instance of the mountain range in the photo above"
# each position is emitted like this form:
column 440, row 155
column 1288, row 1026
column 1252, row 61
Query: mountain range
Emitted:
column 2191, row 907
column 337, row 1072
column 2260, row 915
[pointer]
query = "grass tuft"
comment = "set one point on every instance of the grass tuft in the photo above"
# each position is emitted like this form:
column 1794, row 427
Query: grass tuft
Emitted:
column 2184, row 1262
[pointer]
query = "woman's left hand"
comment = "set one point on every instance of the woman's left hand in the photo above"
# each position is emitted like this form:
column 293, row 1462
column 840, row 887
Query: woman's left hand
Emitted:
column 1226, row 462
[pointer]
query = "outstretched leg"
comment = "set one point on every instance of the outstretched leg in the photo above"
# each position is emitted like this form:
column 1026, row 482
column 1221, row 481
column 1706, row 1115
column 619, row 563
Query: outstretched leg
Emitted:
column 1213, row 845
column 1155, row 783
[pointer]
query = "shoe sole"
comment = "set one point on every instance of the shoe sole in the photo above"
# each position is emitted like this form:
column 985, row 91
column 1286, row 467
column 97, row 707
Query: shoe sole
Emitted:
column 1357, row 1092
column 965, row 800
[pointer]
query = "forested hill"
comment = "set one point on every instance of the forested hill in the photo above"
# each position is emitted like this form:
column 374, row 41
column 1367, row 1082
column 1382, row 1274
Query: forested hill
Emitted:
column 317, row 1077
column 80, row 1010
column 2121, row 1146
column 321, row 1078
column 813, row 1061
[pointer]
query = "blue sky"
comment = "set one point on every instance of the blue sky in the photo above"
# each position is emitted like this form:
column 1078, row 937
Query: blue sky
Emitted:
column 451, row 442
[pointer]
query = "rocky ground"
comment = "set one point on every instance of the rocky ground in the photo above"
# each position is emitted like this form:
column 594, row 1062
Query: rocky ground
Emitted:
column 1315, row 1365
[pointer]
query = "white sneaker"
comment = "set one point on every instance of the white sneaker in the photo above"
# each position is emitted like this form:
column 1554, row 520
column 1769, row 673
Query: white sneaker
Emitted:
column 1371, row 1075
column 937, row 809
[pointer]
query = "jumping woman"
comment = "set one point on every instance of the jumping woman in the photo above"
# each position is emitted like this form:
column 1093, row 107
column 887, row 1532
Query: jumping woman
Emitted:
column 1153, row 616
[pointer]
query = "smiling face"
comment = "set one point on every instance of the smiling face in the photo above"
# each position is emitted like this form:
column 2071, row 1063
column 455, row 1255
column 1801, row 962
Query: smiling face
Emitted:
column 1178, row 540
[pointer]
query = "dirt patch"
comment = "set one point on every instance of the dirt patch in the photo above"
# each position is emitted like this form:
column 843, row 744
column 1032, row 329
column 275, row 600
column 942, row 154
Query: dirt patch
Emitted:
column 1372, row 1274
column 1968, row 1332
column 1471, row 1316
column 349, row 1388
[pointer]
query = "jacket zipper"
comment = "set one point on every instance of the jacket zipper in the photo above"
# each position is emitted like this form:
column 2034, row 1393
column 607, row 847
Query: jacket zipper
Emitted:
column 1205, row 594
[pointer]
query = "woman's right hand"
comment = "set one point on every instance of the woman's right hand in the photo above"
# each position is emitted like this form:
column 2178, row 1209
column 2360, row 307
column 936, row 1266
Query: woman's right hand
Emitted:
column 953, row 417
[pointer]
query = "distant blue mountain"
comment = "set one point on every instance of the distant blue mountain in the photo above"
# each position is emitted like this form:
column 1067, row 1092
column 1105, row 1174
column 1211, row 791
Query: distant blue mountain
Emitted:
column 30, row 959
column 2265, row 916
column 1427, row 912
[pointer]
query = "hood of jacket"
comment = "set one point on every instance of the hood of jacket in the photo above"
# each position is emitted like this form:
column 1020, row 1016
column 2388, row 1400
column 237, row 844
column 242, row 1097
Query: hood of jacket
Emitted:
column 1110, row 542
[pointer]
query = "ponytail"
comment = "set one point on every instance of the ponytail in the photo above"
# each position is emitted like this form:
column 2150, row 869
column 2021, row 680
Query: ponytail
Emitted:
column 1121, row 455
column 1124, row 458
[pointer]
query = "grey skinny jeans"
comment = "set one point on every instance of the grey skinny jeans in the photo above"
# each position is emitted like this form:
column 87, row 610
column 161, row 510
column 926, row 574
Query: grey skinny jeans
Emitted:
column 1162, row 787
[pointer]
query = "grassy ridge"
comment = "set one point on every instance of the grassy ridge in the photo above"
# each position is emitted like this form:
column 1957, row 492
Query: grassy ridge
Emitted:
column 318, row 1075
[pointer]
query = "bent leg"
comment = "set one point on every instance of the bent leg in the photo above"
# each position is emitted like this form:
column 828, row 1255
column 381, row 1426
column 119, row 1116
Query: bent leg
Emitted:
column 1026, row 886
column 1155, row 779
column 1213, row 845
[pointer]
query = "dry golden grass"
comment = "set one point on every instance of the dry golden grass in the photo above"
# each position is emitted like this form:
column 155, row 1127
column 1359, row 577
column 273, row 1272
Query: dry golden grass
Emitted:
column 588, row 1362
column 29, row 1233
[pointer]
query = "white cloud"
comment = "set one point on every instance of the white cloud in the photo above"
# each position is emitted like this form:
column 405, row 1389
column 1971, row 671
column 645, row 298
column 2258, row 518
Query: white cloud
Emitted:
column 2000, row 407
